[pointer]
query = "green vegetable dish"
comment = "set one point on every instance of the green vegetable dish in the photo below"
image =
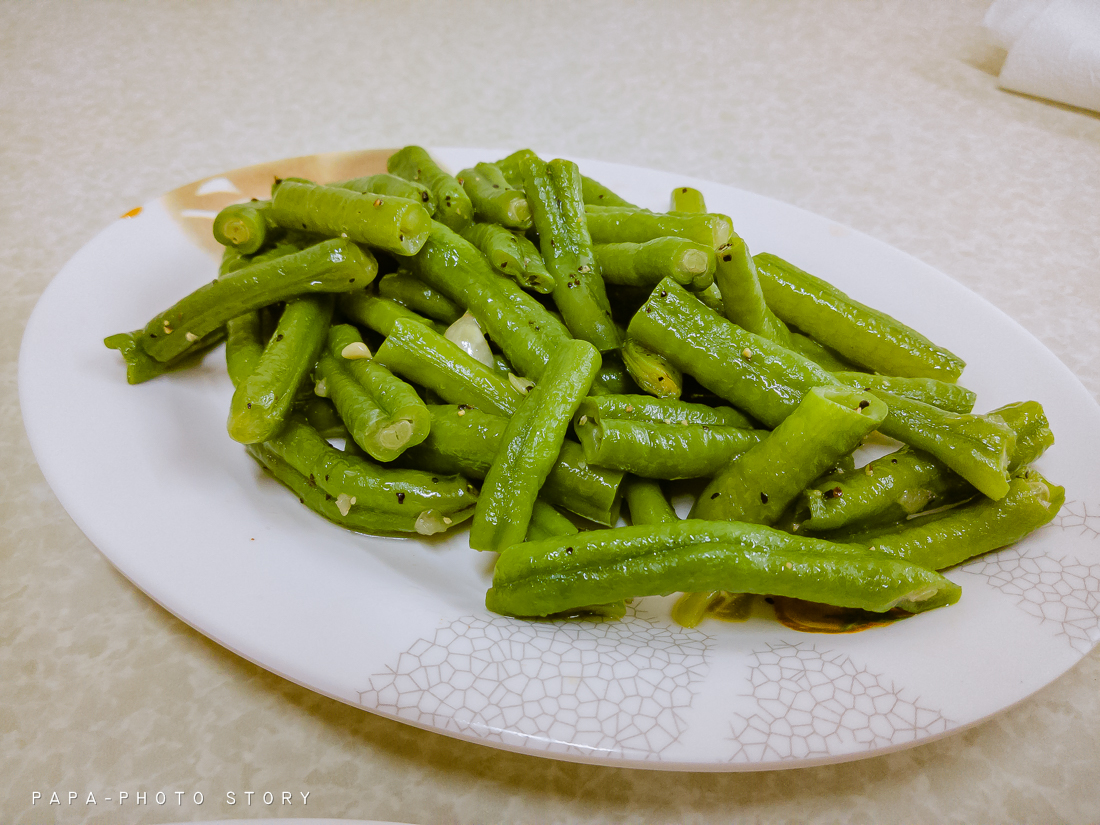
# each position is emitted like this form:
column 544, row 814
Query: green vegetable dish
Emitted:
column 518, row 346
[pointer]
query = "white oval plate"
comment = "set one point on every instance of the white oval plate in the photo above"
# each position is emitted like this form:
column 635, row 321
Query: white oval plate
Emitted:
column 399, row 627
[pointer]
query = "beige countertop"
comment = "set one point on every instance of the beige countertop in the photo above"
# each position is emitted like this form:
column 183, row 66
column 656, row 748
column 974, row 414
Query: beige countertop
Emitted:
column 884, row 116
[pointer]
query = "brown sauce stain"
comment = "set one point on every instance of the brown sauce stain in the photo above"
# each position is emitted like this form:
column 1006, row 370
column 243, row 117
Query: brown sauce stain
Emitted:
column 810, row 617
column 133, row 213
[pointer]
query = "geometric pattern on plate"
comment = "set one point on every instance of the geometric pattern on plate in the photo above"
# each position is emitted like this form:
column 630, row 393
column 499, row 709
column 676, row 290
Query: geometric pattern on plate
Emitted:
column 813, row 702
column 1075, row 516
column 582, row 687
column 1064, row 591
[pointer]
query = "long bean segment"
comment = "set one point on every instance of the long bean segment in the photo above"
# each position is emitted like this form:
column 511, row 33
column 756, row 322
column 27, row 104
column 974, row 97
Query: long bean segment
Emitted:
column 427, row 358
column 519, row 324
column 647, row 502
column 555, row 575
column 244, row 344
column 596, row 194
column 688, row 200
column 396, row 225
column 141, row 366
column 410, row 291
column 651, row 371
column 757, row 487
column 742, row 298
column 554, row 194
column 548, row 523
column 263, row 399
column 665, row 451
column 689, row 263
column 377, row 313
column 944, row 539
column 385, row 184
column 465, row 441
column 861, row 334
column 332, row 266
column 395, row 418
column 531, row 443
column 453, row 206
column 951, row 397
column 493, row 199
column 511, row 254
column 661, row 410
column 907, row 481
column 244, row 226
column 616, row 224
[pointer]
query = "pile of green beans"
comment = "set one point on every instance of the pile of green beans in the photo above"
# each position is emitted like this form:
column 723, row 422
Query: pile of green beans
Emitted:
column 396, row 340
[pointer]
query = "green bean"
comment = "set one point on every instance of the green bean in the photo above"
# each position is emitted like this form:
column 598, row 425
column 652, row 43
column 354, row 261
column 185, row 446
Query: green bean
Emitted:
column 332, row 266
column 375, row 313
column 548, row 523
column 757, row 486
column 554, row 194
column 592, row 191
column 691, row 608
column 944, row 539
column 530, row 446
column 511, row 167
column 385, row 184
column 453, row 207
column 263, row 399
column 864, row 336
column 616, row 224
column 510, row 256
column 396, row 418
column 515, row 321
column 742, row 298
column 493, row 199
column 613, row 377
column 691, row 264
column 665, row 451
column 407, row 289
column 661, row 411
column 396, row 225
column 908, row 481
column 646, row 501
column 429, row 359
column 244, row 344
column 687, row 200
column 322, row 415
column 596, row 194
column 244, row 226
column 141, row 366
column 383, row 489
column 950, row 397
column 651, row 371
column 711, row 297
column 550, row 576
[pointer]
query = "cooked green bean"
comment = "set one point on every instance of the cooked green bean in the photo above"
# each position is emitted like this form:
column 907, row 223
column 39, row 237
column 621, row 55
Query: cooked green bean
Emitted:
column 554, row 575
column 687, row 200
column 493, row 199
column 141, row 366
column 554, row 194
column 427, row 358
column 757, row 486
column 864, row 336
column 689, row 263
column 263, row 398
column 617, row 224
column 651, row 371
column 742, row 298
column 514, row 320
column 385, row 184
column 950, row 397
column 410, row 291
column 396, row 225
column 332, row 266
column 530, row 446
column 548, row 523
column 510, row 253
column 661, row 411
column 244, row 344
column 646, row 502
column 376, row 313
column 244, row 226
column 453, row 207
column 665, row 451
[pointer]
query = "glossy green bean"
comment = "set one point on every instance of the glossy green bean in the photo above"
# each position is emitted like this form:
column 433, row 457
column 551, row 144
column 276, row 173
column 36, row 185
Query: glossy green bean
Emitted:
column 742, row 298
column 429, row 359
column 687, row 200
column 493, row 199
column 664, row 451
column 616, row 224
column 141, row 366
column 453, row 207
column 554, row 575
column 386, row 184
column 651, row 371
column 244, row 344
column 337, row 265
column 757, row 486
column 863, row 335
column 548, row 523
column 376, row 313
column 410, row 291
column 397, row 225
column 554, row 194
column 515, row 321
column 596, row 194
column 689, row 263
column 262, row 400
column 511, row 254
column 950, row 397
column 530, row 446
column 246, row 227
column 646, row 502
column 661, row 411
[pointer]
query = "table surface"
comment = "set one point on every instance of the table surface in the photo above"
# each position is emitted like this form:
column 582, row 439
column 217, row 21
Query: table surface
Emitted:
column 880, row 114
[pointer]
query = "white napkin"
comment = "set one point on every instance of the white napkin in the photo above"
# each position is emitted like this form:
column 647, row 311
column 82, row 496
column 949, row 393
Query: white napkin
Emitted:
column 1053, row 48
